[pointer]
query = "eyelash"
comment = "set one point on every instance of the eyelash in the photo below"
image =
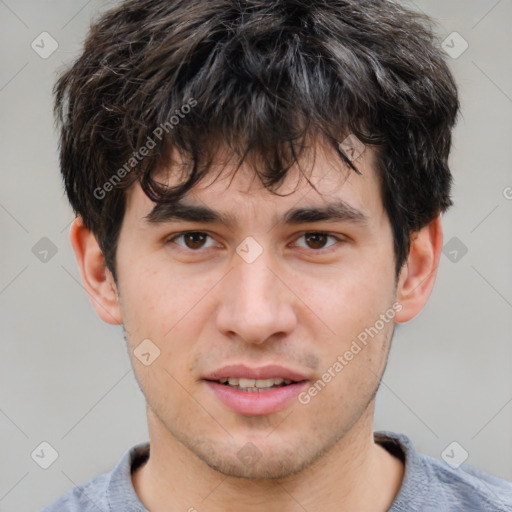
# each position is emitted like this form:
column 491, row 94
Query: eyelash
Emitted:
column 172, row 238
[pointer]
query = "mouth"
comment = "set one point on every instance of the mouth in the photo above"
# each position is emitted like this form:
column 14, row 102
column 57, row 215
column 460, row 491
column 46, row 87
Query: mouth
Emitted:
column 255, row 391
column 254, row 385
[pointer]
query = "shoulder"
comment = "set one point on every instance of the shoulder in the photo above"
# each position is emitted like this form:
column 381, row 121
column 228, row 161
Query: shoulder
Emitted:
column 431, row 485
column 107, row 492
column 88, row 497
column 468, row 487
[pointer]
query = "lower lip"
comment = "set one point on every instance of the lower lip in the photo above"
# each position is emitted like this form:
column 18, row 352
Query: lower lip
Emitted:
column 258, row 402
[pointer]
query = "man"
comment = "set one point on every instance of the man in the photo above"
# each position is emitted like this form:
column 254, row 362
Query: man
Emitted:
column 259, row 189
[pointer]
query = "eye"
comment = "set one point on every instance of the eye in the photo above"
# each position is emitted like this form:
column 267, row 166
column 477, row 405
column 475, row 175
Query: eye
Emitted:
column 193, row 239
column 317, row 239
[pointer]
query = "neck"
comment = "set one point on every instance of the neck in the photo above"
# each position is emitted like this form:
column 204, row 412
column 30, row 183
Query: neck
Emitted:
column 356, row 474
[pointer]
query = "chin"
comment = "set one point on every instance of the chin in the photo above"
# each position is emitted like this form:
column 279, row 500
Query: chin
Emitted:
column 261, row 470
column 252, row 463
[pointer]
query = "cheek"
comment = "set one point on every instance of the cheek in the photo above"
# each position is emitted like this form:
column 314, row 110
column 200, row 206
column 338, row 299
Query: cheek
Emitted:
column 352, row 338
column 350, row 377
column 143, row 299
column 161, row 303
column 348, row 299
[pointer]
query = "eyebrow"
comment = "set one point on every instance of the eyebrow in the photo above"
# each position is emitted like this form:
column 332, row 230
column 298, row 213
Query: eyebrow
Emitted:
column 183, row 211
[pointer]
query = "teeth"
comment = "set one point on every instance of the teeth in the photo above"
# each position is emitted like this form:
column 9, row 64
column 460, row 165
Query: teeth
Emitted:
column 254, row 383
column 265, row 383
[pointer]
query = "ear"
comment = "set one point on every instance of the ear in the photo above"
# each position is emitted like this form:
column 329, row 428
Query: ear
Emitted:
column 418, row 274
column 96, row 277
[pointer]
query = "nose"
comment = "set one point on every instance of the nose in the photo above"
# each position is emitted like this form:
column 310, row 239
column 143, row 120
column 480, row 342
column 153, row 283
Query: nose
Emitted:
column 256, row 304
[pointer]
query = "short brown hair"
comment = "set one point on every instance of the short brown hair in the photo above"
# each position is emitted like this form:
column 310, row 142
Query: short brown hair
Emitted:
column 263, row 77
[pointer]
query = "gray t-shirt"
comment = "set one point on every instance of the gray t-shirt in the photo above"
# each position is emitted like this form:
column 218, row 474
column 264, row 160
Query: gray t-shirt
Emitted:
column 429, row 485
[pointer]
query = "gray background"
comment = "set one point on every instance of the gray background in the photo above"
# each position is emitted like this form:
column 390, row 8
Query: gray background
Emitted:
column 66, row 377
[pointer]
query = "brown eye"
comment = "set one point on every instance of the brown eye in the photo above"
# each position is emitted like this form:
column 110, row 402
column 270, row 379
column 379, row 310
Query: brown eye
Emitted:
column 316, row 240
column 193, row 240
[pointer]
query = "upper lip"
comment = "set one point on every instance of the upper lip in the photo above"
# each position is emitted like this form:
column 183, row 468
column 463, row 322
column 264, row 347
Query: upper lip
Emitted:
column 247, row 372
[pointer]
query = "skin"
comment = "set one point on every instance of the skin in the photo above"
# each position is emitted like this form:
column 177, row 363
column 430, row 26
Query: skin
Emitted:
column 300, row 304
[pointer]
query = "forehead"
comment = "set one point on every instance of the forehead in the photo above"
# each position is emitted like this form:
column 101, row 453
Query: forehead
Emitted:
column 319, row 178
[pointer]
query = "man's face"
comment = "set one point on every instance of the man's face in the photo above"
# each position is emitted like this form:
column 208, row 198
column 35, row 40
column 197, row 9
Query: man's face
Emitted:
column 296, row 295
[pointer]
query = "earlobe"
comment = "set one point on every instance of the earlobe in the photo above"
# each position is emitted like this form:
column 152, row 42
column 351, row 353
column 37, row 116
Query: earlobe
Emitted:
column 96, row 277
column 418, row 275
